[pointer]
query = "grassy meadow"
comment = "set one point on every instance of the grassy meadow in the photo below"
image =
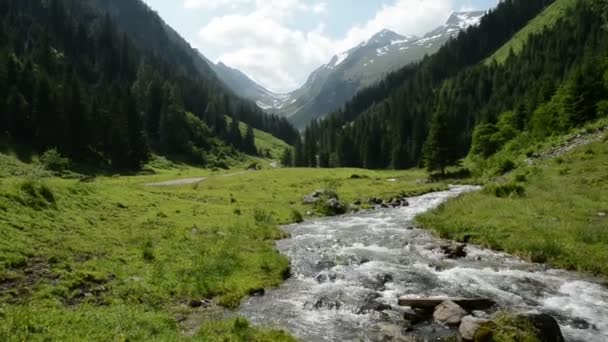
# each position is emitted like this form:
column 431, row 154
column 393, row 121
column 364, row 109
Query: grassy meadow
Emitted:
column 553, row 211
column 114, row 259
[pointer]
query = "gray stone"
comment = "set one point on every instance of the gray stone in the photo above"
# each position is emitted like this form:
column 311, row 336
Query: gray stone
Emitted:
column 335, row 207
column 449, row 313
column 469, row 326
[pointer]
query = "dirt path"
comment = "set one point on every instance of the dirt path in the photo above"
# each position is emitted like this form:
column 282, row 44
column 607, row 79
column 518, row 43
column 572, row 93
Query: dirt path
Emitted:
column 190, row 181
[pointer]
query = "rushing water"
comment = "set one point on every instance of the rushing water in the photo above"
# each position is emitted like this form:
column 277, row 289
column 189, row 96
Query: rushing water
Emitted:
column 349, row 271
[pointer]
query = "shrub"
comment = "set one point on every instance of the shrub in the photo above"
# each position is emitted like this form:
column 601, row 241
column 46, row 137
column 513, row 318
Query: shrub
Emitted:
column 53, row 161
column 505, row 166
column 506, row 190
column 296, row 216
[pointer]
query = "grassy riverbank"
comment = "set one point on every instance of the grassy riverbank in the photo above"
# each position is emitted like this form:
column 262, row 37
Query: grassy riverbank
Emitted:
column 114, row 259
column 552, row 211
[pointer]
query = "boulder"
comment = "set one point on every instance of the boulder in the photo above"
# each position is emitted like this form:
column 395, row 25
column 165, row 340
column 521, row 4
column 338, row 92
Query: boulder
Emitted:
column 449, row 313
column 469, row 304
column 469, row 326
column 395, row 333
column 521, row 327
column 547, row 326
column 318, row 195
column 334, row 207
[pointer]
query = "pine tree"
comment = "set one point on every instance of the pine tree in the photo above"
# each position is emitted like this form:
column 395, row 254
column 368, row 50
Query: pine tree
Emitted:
column 138, row 152
column 287, row 157
column 249, row 141
column 299, row 155
column 439, row 149
column 234, row 134
column 78, row 125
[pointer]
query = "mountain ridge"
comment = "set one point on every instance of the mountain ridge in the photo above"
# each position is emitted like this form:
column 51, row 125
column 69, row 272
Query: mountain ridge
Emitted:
column 331, row 85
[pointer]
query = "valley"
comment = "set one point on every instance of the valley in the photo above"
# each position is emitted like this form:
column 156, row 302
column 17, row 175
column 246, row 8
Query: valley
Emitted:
column 445, row 186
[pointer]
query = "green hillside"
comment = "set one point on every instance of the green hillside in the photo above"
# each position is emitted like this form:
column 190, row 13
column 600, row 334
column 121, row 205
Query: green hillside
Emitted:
column 552, row 208
column 266, row 142
column 546, row 20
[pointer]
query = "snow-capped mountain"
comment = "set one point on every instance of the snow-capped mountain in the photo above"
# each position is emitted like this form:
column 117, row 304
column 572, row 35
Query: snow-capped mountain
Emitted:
column 330, row 86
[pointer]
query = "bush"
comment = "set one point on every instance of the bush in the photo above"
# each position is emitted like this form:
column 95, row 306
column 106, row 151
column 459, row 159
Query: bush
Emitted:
column 296, row 216
column 52, row 160
column 506, row 190
column 505, row 166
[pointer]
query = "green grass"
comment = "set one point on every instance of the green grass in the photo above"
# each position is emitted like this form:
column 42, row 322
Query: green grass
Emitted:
column 547, row 19
column 550, row 212
column 114, row 259
column 264, row 141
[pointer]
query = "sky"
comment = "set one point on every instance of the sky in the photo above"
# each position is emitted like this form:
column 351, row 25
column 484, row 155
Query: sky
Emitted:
column 278, row 43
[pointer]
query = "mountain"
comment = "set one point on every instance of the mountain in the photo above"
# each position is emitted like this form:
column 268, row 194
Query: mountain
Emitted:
column 245, row 87
column 331, row 85
column 107, row 83
column 454, row 104
column 150, row 33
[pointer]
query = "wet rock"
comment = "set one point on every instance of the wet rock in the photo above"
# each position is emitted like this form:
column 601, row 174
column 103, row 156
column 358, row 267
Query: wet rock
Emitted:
column 398, row 202
column 334, row 207
column 205, row 303
column 373, row 306
column 522, row 327
column 449, row 313
column 469, row 304
column 416, row 316
column 317, row 195
column 546, row 325
column 375, row 201
column 581, row 324
column 454, row 251
column 396, row 333
column 257, row 292
column 326, row 302
column 469, row 326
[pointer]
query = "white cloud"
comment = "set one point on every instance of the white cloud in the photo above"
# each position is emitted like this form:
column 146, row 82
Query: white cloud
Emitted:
column 263, row 43
column 214, row 4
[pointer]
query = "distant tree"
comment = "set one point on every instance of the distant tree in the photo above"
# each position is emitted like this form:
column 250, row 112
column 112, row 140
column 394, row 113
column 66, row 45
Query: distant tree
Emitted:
column 299, row 156
column 249, row 141
column 439, row 147
column 234, row 134
column 287, row 157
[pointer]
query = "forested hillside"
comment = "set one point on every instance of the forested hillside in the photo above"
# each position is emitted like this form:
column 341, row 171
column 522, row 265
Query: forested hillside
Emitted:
column 554, row 83
column 80, row 82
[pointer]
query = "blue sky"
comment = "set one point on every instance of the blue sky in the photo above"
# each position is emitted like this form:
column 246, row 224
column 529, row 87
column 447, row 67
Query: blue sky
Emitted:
column 279, row 43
